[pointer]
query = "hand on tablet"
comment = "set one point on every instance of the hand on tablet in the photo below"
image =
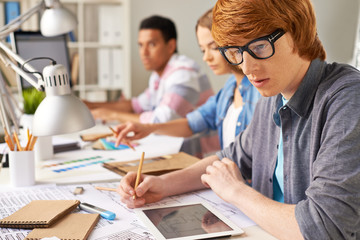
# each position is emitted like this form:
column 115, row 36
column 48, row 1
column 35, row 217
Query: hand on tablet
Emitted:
column 149, row 190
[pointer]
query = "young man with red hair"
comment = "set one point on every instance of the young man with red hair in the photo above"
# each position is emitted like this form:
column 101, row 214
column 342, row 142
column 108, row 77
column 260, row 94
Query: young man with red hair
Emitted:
column 301, row 149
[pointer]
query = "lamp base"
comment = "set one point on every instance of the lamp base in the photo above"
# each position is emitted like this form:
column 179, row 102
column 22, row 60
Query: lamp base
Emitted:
column 44, row 149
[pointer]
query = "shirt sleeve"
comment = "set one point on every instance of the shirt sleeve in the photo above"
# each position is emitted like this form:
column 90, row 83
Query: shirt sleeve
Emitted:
column 240, row 151
column 204, row 117
column 332, row 207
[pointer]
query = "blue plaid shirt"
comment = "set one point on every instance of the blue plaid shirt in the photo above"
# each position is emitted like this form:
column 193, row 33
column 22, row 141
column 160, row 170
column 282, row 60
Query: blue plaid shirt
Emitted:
column 211, row 114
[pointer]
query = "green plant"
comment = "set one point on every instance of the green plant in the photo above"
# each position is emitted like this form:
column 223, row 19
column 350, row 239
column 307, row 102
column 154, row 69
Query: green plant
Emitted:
column 32, row 99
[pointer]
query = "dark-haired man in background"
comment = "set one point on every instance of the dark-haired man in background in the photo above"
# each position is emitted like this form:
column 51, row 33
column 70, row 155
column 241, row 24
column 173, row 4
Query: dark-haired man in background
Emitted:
column 176, row 85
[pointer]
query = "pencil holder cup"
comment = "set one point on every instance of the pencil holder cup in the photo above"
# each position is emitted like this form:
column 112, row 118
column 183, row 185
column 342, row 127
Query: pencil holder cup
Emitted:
column 22, row 168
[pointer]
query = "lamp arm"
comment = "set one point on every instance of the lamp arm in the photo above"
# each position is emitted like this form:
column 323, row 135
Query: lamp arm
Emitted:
column 16, row 23
column 4, row 57
column 7, row 108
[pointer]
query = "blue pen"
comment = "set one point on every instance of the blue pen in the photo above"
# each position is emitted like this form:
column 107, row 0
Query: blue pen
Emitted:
column 93, row 209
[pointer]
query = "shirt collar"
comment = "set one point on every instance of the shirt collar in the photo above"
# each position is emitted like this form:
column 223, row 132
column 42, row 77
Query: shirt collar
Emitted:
column 243, row 87
column 302, row 99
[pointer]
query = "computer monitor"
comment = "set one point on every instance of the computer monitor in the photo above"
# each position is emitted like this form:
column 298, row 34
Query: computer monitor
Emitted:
column 33, row 44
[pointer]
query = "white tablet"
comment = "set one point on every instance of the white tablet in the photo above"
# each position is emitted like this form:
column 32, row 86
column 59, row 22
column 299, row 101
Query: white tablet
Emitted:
column 187, row 221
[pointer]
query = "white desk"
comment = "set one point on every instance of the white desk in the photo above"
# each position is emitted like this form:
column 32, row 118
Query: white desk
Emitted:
column 164, row 145
column 126, row 223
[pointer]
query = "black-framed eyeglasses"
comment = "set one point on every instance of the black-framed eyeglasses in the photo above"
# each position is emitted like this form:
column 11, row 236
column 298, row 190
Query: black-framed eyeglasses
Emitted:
column 259, row 48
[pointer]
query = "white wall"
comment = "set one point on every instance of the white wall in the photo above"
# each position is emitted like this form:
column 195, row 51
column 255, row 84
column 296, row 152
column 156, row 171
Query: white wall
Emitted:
column 337, row 24
column 185, row 14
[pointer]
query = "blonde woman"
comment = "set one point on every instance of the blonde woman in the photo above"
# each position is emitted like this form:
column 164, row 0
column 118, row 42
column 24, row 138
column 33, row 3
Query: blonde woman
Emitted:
column 229, row 111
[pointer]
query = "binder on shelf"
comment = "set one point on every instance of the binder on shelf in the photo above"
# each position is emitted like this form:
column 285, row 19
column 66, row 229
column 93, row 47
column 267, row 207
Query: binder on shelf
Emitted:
column 104, row 67
column 111, row 24
column 117, row 68
column 72, row 36
column 32, row 24
column 110, row 67
column 12, row 10
column 73, row 226
column 2, row 14
column 39, row 214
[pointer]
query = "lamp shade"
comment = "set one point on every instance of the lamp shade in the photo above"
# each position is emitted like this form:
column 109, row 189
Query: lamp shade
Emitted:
column 60, row 115
column 56, row 21
column 60, row 112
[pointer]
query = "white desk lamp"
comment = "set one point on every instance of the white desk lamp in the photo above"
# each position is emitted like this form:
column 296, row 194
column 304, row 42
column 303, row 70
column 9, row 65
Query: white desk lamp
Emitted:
column 60, row 112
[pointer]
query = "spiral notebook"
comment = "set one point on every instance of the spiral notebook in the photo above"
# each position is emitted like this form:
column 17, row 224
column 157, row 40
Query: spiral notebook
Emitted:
column 74, row 226
column 39, row 214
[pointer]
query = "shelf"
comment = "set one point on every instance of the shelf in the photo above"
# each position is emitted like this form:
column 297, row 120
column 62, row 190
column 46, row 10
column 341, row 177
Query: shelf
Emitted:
column 103, row 62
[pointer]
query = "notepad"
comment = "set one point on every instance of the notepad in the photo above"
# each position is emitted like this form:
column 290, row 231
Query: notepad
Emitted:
column 39, row 214
column 154, row 166
column 73, row 226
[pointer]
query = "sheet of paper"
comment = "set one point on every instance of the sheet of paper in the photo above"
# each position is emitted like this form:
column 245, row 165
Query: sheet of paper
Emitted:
column 80, row 167
column 125, row 226
column 84, row 166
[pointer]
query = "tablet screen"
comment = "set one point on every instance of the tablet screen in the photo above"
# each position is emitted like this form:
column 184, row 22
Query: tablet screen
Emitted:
column 188, row 221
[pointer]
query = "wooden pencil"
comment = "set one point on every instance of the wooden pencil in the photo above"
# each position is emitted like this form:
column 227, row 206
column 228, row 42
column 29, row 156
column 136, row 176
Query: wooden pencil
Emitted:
column 8, row 140
column 139, row 172
column 106, row 189
column 17, row 141
column 32, row 143
column 113, row 131
column 28, row 134
column 27, row 147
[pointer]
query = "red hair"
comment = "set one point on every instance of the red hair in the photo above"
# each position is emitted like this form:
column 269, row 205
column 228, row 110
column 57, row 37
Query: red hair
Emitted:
column 249, row 19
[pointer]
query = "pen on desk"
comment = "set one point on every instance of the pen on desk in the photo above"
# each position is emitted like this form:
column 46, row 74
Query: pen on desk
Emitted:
column 126, row 142
column 93, row 209
column 106, row 189
column 139, row 173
